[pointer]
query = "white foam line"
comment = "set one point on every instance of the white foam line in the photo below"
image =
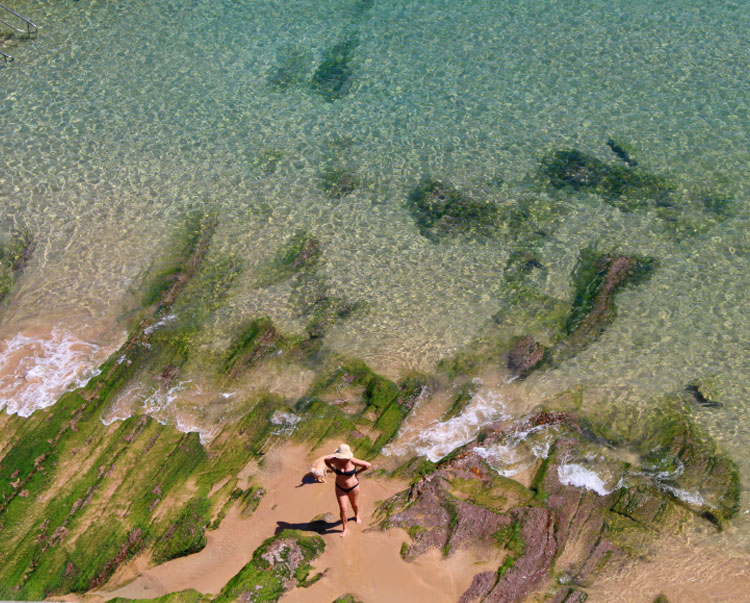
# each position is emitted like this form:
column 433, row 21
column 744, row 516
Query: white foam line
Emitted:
column 441, row 438
column 36, row 371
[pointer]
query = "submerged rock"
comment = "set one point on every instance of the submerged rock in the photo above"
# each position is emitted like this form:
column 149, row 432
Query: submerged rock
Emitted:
column 596, row 280
column 337, row 183
column 257, row 340
column 300, row 252
column 525, row 355
column 624, row 187
column 438, row 208
column 706, row 392
column 14, row 253
column 622, row 151
column 333, row 77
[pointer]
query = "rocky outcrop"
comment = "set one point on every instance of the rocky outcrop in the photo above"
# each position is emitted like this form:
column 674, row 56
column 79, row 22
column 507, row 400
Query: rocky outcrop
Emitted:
column 596, row 281
column 278, row 565
column 439, row 209
column 585, row 508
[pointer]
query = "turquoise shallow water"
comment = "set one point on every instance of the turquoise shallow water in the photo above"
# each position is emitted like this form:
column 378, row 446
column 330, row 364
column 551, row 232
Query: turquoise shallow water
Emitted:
column 120, row 115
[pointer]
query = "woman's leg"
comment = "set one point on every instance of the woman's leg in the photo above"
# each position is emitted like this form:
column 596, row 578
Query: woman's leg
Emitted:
column 354, row 499
column 341, row 497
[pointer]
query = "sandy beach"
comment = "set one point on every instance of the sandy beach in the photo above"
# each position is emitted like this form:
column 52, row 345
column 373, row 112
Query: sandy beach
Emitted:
column 365, row 563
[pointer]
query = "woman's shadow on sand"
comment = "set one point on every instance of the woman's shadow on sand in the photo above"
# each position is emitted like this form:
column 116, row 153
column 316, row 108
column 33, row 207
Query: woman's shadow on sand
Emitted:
column 322, row 524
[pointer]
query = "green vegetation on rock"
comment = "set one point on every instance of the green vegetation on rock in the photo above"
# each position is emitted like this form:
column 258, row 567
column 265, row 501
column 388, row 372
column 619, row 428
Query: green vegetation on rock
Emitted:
column 339, row 182
column 279, row 564
column 185, row 534
column 438, row 208
column 624, row 187
column 333, row 77
column 14, row 253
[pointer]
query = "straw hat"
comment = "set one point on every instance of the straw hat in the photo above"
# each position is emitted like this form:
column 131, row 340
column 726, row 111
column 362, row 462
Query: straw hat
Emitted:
column 343, row 452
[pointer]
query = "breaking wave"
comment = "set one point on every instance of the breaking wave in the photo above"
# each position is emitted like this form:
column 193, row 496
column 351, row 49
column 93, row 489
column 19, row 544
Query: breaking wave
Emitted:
column 36, row 370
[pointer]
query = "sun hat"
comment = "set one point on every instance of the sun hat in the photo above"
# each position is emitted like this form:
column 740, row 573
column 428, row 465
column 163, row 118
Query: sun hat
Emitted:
column 343, row 452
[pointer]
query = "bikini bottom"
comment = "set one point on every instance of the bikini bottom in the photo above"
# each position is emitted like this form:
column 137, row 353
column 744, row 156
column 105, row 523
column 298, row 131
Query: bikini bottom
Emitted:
column 347, row 490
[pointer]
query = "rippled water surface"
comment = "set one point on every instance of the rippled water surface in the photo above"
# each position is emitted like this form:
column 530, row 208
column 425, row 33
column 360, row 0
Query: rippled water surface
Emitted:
column 120, row 116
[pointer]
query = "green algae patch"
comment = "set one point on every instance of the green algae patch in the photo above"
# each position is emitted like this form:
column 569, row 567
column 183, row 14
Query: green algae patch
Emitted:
column 301, row 251
column 339, row 182
column 438, row 208
column 624, row 187
column 15, row 251
column 183, row 596
column 188, row 243
column 333, row 78
column 278, row 565
column 185, row 533
column 595, row 279
column 682, row 460
column 291, row 69
column 255, row 341
column 460, row 401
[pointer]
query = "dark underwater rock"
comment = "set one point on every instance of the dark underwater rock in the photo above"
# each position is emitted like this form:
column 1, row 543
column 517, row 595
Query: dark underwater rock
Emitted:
column 596, row 280
column 525, row 355
column 438, row 208
column 622, row 152
column 624, row 187
column 291, row 68
column 255, row 341
column 15, row 252
column 337, row 183
column 300, row 252
column 705, row 392
column 333, row 77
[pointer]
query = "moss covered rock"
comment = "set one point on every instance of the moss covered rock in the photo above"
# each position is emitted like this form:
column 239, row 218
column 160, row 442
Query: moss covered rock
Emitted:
column 15, row 251
column 624, row 187
column 438, row 209
column 278, row 565
column 333, row 78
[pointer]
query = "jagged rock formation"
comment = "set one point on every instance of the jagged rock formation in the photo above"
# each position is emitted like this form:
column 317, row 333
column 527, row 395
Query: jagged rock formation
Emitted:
column 585, row 506
column 596, row 280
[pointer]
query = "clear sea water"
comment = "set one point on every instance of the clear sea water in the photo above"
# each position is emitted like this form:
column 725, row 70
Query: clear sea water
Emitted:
column 119, row 116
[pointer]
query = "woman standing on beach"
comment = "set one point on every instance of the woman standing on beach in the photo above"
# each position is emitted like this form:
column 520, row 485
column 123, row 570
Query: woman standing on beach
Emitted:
column 347, row 468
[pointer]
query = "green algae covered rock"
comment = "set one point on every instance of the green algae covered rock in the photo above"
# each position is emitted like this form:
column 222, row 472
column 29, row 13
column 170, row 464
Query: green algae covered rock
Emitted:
column 624, row 187
column 185, row 534
column 438, row 209
column 586, row 507
column 278, row 565
column 333, row 78
column 183, row 596
column 339, row 182
column 300, row 252
column 15, row 251
column 255, row 341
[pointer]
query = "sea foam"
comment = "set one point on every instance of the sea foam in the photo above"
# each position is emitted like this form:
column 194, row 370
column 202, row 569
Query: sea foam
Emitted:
column 441, row 438
column 36, row 370
column 573, row 474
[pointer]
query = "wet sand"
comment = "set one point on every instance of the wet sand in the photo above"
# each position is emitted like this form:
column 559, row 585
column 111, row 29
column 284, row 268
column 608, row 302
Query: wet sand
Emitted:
column 683, row 572
column 366, row 564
